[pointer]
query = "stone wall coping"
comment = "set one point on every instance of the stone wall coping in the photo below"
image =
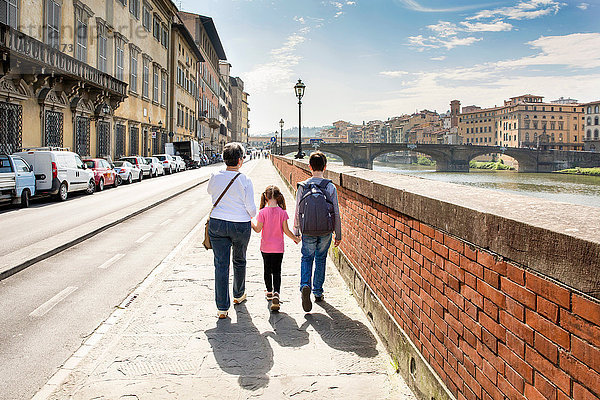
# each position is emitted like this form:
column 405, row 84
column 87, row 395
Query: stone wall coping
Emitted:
column 559, row 240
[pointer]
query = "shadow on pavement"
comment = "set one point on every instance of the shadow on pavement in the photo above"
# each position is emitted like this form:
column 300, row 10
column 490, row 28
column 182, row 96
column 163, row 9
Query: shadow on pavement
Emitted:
column 240, row 349
column 340, row 332
column 286, row 331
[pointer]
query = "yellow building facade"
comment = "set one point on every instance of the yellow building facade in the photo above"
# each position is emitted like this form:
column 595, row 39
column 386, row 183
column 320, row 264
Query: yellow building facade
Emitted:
column 525, row 121
column 88, row 75
column 186, row 61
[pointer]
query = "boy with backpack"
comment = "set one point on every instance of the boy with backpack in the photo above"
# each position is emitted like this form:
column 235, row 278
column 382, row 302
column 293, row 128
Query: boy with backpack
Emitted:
column 317, row 216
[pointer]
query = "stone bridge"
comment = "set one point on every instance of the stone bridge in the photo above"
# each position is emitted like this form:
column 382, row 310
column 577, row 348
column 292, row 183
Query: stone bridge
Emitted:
column 455, row 158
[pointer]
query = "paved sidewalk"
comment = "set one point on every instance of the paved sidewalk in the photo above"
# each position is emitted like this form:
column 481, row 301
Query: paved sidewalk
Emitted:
column 167, row 343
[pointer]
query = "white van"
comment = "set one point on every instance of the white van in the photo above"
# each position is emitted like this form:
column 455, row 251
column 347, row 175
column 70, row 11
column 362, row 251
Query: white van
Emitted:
column 58, row 171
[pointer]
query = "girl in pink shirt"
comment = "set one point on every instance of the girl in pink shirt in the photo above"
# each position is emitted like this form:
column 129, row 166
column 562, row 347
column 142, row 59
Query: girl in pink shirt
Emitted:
column 272, row 221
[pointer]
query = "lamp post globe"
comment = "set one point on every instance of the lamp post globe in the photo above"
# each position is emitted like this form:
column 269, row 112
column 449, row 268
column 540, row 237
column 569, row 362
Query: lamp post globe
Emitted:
column 299, row 89
column 281, row 141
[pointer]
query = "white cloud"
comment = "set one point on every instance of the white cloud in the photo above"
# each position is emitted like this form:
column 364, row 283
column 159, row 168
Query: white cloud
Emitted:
column 583, row 6
column 524, row 10
column 578, row 50
column 274, row 75
column 440, row 58
column 449, row 34
column 415, row 6
column 300, row 19
column 394, row 74
column 435, row 42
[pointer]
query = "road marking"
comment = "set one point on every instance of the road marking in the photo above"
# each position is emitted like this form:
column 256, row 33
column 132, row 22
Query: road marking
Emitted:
column 49, row 305
column 181, row 210
column 110, row 262
column 143, row 238
column 166, row 222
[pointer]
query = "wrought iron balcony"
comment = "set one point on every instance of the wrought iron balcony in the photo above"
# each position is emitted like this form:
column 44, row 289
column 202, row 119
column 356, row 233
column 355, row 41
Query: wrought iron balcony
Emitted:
column 27, row 55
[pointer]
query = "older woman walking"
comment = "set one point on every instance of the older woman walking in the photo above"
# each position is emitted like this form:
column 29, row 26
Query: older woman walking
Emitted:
column 229, row 226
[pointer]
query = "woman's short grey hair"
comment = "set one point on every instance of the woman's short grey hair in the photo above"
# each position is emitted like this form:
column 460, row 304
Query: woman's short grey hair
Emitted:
column 232, row 153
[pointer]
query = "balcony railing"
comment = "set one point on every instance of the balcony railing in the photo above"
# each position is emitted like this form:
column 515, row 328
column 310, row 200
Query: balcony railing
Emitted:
column 46, row 59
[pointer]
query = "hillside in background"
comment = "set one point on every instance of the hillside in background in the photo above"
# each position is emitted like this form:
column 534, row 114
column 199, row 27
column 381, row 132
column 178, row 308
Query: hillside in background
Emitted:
column 293, row 132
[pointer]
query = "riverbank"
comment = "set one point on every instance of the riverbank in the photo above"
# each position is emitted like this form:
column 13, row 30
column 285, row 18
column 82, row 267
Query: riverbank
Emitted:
column 581, row 171
column 495, row 166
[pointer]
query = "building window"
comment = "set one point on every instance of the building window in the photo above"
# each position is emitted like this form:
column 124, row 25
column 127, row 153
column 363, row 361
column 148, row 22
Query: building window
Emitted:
column 589, row 120
column 53, row 129
column 102, row 48
column 147, row 17
column 119, row 140
column 157, row 27
column 145, row 76
column 595, row 120
column 155, row 78
column 11, row 132
column 163, row 87
column 119, row 57
column 595, row 134
column 133, row 66
column 9, row 12
column 82, row 136
column 134, row 8
column 596, row 109
column 53, row 23
column 165, row 37
column 589, row 109
column 81, row 34
column 134, row 140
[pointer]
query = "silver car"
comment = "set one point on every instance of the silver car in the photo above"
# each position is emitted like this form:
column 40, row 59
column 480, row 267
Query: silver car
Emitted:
column 180, row 163
column 167, row 162
column 128, row 172
column 156, row 167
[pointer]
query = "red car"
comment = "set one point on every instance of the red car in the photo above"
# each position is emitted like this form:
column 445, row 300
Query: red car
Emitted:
column 103, row 173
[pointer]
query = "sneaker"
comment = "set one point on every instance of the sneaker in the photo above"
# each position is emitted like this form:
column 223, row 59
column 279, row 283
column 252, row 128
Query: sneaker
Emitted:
column 275, row 302
column 222, row 314
column 268, row 295
column 318, row 299
column 238, row 300
column 306, row 303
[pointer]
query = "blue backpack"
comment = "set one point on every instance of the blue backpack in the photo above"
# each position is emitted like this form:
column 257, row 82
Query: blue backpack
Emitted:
column 316, row 216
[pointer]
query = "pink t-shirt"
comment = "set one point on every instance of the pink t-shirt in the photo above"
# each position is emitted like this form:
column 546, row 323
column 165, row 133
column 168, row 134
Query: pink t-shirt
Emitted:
column 272, row 232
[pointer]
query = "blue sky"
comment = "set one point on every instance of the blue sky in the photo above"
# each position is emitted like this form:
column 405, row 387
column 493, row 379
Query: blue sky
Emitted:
column 374, row 59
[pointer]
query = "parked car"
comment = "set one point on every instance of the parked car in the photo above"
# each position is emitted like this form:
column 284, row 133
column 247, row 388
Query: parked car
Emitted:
column 128, row 172
column 179, row 163
column 104, row 174
column 58, row 171
column 141, row 163
column 156, row 166
column 17, row 180
column 167, row 162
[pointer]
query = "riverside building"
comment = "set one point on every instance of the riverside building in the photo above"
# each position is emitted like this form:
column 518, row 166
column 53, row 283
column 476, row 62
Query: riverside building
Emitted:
column 524, row 121
column 591, row 140
column 81, row 74
column 207, row 39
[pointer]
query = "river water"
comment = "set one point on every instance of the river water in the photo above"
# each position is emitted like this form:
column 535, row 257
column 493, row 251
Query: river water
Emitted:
column 574, row 189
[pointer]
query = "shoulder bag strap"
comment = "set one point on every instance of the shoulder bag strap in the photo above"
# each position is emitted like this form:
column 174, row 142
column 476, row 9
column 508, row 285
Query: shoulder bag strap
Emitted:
column 224, row 191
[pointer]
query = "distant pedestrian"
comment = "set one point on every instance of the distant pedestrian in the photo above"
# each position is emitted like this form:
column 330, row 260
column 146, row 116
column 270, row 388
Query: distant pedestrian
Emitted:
column 272, row 221
column 317, row 216
column 230, row 227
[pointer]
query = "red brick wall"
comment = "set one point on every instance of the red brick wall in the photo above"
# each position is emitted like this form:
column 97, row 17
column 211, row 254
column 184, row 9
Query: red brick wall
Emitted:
column 490, row 328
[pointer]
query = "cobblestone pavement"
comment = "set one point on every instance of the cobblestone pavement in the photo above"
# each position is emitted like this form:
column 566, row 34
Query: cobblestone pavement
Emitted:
column 167, row 343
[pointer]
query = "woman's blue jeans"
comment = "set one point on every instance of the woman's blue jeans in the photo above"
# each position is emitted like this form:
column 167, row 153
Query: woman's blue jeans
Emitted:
column 225, row 235
column 314, row 248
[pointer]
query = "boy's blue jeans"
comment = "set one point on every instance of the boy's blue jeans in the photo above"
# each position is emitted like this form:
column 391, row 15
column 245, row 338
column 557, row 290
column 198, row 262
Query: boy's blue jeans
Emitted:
column 314, row 248
column 223, row 236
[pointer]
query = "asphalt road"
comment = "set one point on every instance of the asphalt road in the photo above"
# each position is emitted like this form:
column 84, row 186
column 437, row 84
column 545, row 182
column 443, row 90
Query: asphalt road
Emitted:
column 47, row 310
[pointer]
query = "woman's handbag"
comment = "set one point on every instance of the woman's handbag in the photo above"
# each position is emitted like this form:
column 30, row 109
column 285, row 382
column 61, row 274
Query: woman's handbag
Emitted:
column 206, row 241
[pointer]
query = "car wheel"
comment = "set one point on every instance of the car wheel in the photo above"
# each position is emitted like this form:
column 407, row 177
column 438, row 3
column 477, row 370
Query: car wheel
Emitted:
column 129, row 179
column 118, row 180
column 141, row 176
column 25, row 199
column 91, row 187
column 63, row 192
column 101, row 185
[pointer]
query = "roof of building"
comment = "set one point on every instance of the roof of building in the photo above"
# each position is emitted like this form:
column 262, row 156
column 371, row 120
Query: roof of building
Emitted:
column 213, row 35
column 189, row 39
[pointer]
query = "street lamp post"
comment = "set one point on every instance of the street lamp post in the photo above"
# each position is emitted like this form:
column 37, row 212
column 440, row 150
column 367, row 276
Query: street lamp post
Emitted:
column 299, row 88
column 281, row 141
